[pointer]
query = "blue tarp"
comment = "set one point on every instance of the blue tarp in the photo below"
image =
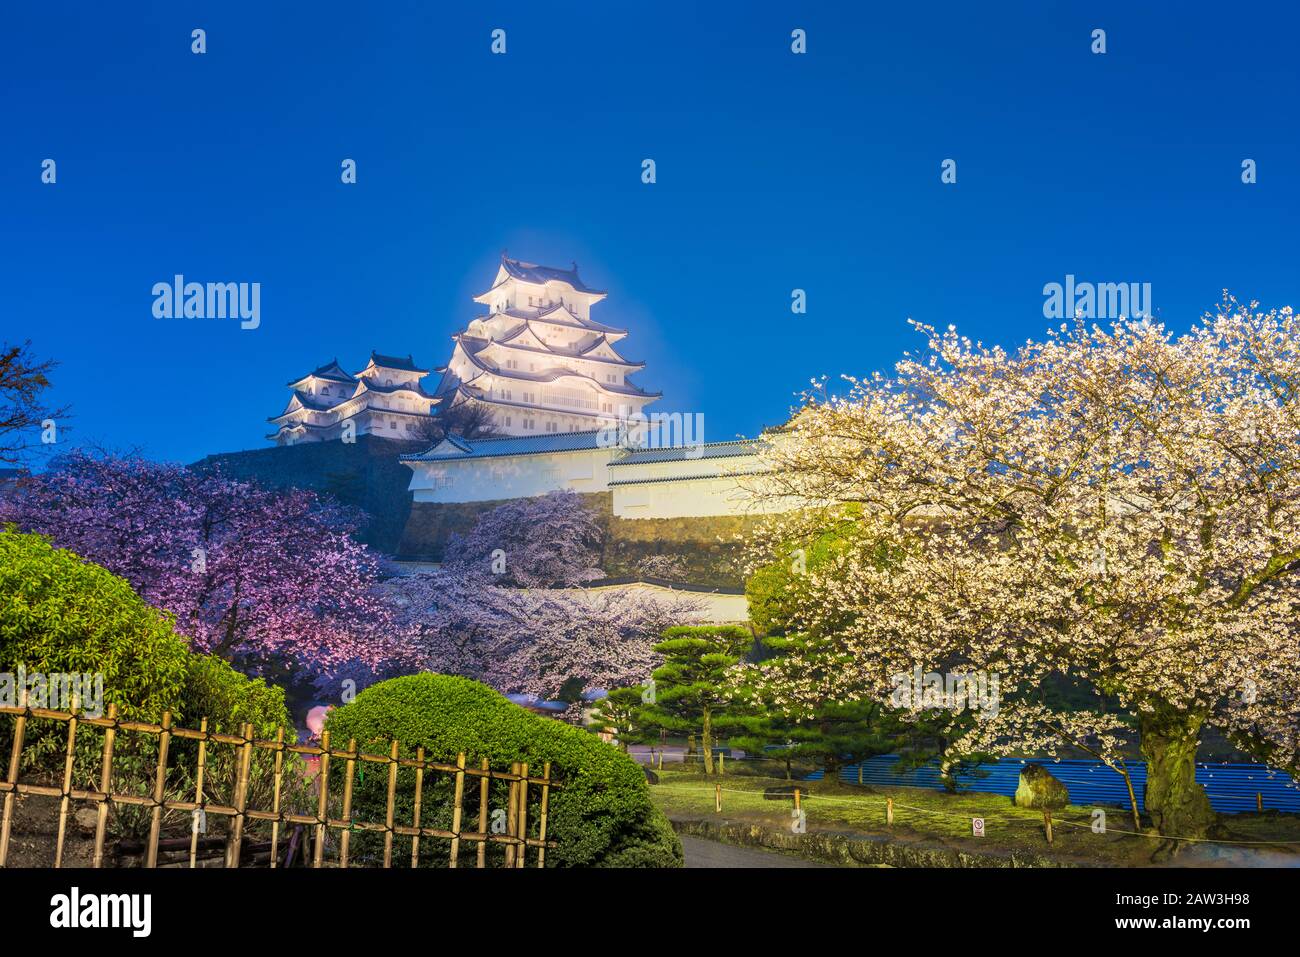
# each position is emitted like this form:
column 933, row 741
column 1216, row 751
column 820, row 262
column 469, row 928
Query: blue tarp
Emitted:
column 1231, row 787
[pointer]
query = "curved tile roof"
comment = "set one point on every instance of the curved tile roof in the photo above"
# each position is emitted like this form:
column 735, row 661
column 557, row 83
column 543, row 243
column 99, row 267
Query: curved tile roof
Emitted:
column 395, row 362
column 514, row 445
column 532, row 272
column 554, row 374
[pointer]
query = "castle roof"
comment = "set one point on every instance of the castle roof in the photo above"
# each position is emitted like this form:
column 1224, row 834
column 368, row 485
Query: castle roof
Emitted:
column 395, row 362
column 675, row 453
column 577, row 352
column 371, row 386
column 548, row 316
column 549, row 375
column 460, row 449
column 330, row 370
column 532, row 272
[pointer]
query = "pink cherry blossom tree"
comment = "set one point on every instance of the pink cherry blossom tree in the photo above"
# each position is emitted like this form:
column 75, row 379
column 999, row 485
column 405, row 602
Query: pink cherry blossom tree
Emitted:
column 543, row 541
column 1113, row 506
column 270, row 579
column 535, row 641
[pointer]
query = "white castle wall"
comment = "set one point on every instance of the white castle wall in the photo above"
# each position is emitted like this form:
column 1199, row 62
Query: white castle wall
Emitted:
column 515, row 476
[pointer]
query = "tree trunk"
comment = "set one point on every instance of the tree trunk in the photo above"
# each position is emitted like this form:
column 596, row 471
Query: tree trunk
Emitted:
column 1177, row 804
column 706, row 742
column 831, row 771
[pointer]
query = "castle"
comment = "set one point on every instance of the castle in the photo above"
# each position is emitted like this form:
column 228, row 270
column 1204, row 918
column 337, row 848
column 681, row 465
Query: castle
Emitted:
column 552, row 397
column 536, row 363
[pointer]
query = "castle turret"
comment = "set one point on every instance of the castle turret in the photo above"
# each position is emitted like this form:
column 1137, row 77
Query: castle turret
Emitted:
column 385, row 399
column 537, row 360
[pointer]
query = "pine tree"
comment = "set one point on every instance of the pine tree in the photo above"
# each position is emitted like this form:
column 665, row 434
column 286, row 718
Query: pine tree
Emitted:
column 621, row 710
column 690, row 690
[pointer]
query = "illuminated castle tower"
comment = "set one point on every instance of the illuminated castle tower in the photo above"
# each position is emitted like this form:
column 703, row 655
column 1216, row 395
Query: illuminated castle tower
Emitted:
column 537, row 360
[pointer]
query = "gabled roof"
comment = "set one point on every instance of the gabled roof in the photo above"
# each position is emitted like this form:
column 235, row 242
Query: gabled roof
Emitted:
column 549, row 317
column 577, row 352
column 319, row 403
column 511, row 445
column 395, row 362
column 331, row 370
column 532, row 272
column 368, row 385
column 548, row 376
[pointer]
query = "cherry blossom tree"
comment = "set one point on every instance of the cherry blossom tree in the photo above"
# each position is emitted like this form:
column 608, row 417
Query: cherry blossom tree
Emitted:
column 534, row 641
column 270, row 579
column 1118, row 508
column 543, row 541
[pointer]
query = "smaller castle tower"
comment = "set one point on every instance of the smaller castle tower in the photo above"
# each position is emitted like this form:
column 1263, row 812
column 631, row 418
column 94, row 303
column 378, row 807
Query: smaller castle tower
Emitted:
column 385, row 399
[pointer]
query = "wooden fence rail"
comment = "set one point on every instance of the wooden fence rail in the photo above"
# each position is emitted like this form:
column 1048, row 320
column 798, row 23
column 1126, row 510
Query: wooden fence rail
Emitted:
column 514, row 837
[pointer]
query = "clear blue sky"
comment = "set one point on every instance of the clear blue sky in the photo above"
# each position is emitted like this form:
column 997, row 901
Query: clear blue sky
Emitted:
column 775, row 171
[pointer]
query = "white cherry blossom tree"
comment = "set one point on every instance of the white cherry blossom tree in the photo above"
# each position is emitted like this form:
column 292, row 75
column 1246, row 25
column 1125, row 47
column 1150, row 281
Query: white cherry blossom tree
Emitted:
column 1117, row 508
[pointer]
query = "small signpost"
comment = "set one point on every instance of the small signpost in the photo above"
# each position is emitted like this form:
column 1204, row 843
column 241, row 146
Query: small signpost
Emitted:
column 977, row 826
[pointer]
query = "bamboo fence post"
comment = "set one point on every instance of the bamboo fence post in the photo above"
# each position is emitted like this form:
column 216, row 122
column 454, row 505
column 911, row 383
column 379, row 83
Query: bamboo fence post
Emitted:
column 69, row 761
column 889, row 811
column 198, row 793
column 546, row 803
column 241, row 795
column 15, row 754
column 1047, row 823
column 345, row 839
column 797, row 805
column 392, row 796
column 275, row 801
column 483, row 784
column 722, row 763
column 661, row 759
column 159, row 789
column 322, row 800
column 859, row 772
column 512, row 800
column 419, row 793
column 105, row 786
column 1259, row 802
column 456, row 810
column 523, row 815
column 717, row 798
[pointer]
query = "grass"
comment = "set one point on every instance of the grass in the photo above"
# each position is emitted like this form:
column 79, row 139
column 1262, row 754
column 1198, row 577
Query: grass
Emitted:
column 939, row 819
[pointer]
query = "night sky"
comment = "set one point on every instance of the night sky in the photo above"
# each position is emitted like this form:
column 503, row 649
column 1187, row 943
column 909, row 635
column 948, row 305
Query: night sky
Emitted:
column 775, row 171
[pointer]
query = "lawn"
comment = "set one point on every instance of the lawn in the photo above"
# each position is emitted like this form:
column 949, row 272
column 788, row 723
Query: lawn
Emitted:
column 937, row 820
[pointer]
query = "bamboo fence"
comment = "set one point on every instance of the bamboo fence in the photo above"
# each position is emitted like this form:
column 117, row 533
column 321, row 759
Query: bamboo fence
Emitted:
column 514, row 837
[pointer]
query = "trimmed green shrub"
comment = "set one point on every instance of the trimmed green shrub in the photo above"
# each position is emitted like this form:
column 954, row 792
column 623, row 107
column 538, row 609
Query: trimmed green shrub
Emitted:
column 602, row 816
column 60, row 614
